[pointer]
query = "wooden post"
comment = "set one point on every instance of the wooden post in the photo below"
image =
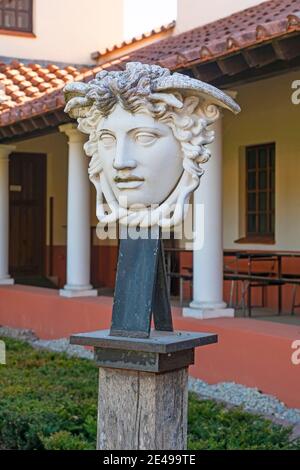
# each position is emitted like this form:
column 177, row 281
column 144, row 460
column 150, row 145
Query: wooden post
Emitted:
column 143, row 388
column 142, row 411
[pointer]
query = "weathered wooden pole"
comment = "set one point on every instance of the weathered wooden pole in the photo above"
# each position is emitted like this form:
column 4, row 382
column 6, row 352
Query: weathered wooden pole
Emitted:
column 158, row 404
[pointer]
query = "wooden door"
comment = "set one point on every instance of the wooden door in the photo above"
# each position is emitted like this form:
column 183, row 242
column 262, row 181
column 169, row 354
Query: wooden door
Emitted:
column 27, row 180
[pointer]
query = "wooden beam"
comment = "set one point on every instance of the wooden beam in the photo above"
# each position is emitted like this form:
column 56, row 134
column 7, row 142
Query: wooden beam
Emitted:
column 26, row 126
column 254, row 74
column 17, row 129
column 6, row 132
column 287, row 49
column 33, row 127
column 207, row 72
column 260, row 56
column 34, row 124
column 233, row 65
column 49, row 120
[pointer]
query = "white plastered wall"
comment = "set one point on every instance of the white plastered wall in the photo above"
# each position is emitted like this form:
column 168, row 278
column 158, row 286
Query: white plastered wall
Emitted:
column 68, row 31
column 268, row 115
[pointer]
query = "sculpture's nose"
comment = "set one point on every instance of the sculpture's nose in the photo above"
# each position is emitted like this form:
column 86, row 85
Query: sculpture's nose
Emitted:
column 121, row 160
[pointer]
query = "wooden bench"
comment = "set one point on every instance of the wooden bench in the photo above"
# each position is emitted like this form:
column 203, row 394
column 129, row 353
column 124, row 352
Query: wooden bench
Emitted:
column 293, row 279
column 250, row 281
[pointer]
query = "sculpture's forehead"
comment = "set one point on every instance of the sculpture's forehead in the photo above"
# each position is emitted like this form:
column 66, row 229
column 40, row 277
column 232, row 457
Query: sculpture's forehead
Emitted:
column 120, row 119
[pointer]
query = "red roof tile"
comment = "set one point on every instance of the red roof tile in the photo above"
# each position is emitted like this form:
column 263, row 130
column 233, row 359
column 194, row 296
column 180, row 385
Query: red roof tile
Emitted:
column 10, row 89
column 35, row 67
column 53, row 68
column 246, row 28
column 57, row 82
column 17, row 94
column 17, row 79
column 30, row 74
column 36, row 81
column 26, row 84
column 44, row 86
column 12, row 73
column 31, row 90
column 61, row 73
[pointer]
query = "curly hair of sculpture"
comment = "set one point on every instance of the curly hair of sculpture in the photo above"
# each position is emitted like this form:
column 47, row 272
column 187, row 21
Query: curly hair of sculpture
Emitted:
column 148, row 133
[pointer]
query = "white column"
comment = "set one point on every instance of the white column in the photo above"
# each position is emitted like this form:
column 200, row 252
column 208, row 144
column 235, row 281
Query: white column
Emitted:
column 78, row 224
column 5, row 150
column 208, row 222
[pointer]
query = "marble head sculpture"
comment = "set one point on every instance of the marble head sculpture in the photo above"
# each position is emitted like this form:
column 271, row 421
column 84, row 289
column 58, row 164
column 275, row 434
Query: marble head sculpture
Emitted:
column 148, row 130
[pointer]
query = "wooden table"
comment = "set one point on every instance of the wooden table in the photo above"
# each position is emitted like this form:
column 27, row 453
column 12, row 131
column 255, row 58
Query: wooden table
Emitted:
column 277, row 256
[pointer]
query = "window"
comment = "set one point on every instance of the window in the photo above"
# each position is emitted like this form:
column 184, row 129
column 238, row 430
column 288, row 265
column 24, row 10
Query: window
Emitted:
column 260, row 191
column 16, row 15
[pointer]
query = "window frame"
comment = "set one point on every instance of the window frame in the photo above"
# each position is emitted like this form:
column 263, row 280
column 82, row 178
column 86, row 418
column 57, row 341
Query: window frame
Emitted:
column 270, row 190
column 22, row 31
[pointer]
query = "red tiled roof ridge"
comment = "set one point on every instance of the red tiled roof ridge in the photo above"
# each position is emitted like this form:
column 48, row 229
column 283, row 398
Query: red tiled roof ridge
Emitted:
column 140, row 37
column 249, row 10
column 240, row 30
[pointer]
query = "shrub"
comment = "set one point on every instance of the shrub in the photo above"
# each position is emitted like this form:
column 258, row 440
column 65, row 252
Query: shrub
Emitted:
column 64, row 440
column 215, row 427
column 49, row 401
column 43, row 393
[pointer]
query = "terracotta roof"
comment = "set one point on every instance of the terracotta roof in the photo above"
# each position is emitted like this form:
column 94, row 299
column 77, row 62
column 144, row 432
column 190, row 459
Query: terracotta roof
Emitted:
column 21, row 84
column 167, row 28
column 243, row 29
column 250, row 27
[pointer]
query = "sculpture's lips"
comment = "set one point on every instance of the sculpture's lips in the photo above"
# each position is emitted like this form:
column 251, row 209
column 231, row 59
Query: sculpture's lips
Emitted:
column 127, row 179
column 128, row 182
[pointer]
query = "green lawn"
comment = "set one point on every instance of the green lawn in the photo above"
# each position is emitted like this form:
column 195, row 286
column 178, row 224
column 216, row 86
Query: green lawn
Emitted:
column 49, row 401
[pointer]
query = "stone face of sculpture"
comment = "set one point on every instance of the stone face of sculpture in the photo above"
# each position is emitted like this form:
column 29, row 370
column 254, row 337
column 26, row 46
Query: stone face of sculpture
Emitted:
column 135, row 149
column 148, row 132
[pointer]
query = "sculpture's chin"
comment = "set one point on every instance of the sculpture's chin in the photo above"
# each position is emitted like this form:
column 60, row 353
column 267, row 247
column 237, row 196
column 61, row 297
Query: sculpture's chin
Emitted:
column 133, row 206
column 127, row 201
column 138, row 207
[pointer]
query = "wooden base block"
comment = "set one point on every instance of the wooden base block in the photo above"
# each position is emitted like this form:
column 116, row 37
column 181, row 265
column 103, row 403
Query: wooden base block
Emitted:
column 143, row 390
column 141, row 410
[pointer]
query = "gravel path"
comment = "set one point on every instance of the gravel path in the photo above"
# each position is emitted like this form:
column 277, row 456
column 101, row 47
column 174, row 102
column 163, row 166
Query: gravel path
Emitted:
column 57, row 345
column 251, row 399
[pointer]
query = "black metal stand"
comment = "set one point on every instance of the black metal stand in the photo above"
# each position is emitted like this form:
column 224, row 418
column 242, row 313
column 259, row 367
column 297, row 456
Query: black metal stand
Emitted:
column 141, row 289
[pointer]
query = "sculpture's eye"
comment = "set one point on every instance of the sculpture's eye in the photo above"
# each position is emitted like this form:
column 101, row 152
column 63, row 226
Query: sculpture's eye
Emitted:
column 146, row 138
column 108, row 140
